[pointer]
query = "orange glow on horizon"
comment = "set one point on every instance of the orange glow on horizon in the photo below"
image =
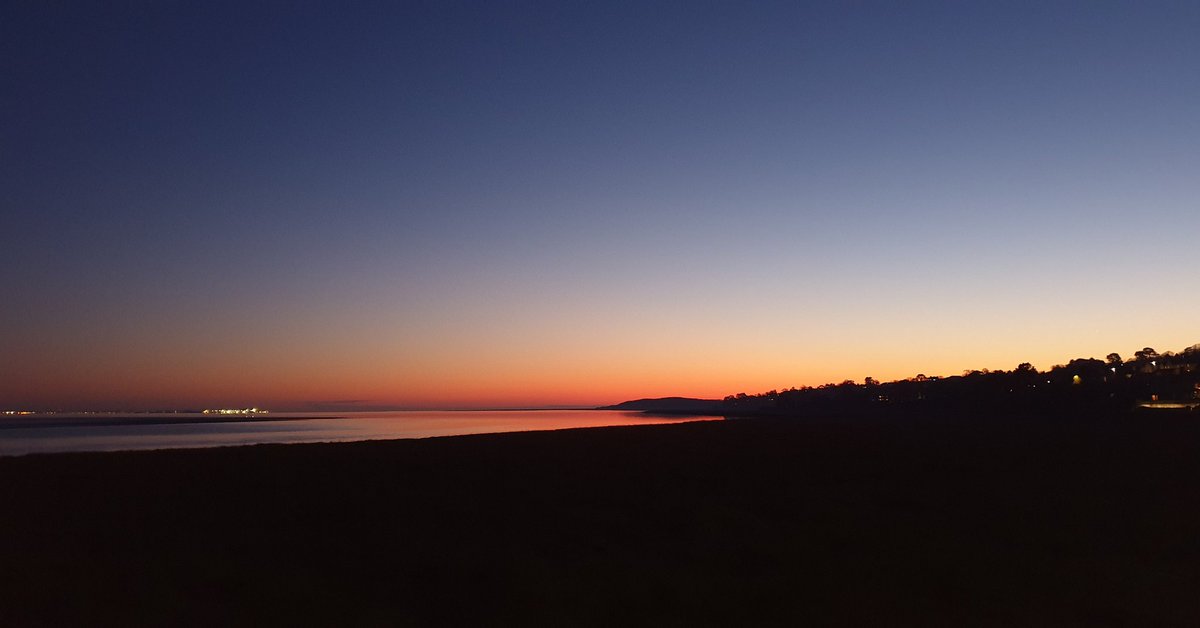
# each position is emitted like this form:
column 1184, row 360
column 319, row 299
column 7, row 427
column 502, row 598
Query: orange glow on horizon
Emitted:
column 484, row 380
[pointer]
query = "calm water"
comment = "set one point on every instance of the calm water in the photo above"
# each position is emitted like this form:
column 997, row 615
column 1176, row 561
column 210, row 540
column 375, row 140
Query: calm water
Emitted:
column 58, row 433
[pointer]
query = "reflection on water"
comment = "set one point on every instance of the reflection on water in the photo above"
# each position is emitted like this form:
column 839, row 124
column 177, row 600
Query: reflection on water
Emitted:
column 106, row 433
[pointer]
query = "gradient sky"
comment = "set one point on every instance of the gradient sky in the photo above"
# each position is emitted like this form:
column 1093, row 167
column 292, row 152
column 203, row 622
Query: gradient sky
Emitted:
column 513, row 204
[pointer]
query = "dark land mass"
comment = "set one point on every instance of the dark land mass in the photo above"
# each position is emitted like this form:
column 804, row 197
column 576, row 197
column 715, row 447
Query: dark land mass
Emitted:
column 1025, row 520
column 1083, row 385
column 671, row 405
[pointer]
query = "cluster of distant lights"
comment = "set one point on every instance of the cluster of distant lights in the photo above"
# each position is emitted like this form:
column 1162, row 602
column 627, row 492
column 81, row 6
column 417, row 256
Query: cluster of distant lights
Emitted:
column 235, row 411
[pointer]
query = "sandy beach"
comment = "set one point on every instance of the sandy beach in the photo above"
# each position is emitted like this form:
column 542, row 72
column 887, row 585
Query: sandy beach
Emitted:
column 856, row 521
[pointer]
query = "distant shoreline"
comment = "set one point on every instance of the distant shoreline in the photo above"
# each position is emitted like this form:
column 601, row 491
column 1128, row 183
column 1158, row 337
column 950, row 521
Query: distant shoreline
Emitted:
column 128, row 431
column 115, row 420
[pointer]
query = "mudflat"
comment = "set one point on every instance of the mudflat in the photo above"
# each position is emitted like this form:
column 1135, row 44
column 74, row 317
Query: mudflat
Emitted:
column 1066, row 520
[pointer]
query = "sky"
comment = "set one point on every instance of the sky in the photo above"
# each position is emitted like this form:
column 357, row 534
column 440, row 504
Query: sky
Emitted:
column 510, row 204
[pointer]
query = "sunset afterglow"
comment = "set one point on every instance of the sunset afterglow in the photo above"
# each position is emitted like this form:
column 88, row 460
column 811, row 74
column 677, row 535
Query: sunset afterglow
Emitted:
column 441, row 207
column 619, row 313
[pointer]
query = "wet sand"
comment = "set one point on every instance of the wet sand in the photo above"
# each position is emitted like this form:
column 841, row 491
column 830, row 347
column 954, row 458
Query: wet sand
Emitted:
column 1070, row 521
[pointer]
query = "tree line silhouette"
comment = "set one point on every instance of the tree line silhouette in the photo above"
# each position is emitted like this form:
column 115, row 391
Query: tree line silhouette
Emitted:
column 1114, row 384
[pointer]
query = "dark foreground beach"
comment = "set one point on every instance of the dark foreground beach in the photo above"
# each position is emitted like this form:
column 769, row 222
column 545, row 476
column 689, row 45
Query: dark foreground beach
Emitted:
column 900, row 521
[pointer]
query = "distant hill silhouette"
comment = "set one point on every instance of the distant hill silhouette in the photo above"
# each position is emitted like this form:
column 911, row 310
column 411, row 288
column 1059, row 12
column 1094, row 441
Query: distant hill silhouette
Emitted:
column 670, row 405
column 1113, row 385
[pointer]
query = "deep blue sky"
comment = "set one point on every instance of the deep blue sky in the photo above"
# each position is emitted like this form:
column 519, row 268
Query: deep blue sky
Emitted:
column 563, row 202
